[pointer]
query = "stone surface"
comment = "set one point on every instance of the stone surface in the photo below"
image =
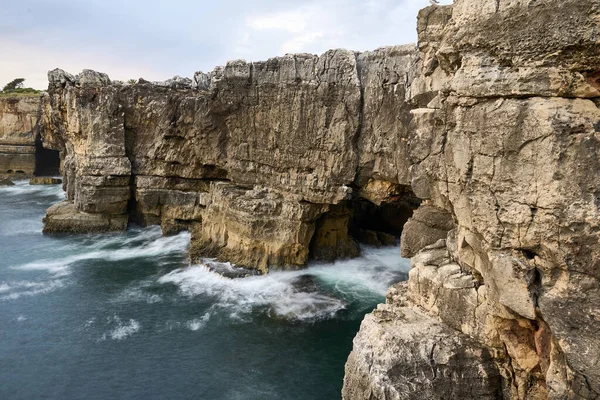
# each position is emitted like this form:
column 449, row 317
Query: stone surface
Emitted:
column 427, row 225
column 254, row 227
column 253, row 158
column 492, row 120
column 403, row 353
column 18, row 129
column 504, row 139
column 44, row 180
column 5, row 181
column 64, row 217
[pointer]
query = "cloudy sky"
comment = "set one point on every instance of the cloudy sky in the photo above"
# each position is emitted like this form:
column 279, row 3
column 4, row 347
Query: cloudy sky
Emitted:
column 157, row 39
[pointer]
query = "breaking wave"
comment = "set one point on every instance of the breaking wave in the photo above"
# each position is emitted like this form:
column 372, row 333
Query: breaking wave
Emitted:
column 141, row 243
column 198, row 323
column 16, row 289
column 318, row 292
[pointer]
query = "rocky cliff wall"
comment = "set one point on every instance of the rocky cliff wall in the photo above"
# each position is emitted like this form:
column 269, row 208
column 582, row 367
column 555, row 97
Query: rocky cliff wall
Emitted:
column 18, row 128
column 248, row 157
column 492, row 122
column 503, row 301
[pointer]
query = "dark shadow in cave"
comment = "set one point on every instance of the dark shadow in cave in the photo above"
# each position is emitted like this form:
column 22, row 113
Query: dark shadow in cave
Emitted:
column 47, row 162
column 381, row 225
column 339, row 231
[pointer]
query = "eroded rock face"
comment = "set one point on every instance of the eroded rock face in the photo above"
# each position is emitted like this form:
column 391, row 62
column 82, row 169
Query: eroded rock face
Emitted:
column 492, row 121
column 248, row 157
column 504, row 139
column 18, row 128
column 401, row 352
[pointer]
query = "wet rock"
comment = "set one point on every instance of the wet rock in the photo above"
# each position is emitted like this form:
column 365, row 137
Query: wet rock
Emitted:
column 44, row 180
column 331, row 239
column 5, row 181
column 64, row 217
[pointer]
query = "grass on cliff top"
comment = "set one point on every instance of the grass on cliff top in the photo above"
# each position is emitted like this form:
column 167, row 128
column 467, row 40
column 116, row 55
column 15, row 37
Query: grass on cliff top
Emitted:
column 20, row 92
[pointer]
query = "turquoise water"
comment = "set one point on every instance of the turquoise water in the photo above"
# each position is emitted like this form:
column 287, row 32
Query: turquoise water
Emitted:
column 123, row 316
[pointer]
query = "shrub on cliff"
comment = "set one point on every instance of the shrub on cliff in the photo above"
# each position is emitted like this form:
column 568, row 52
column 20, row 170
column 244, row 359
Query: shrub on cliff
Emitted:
column 14, row 84
column 16, row 87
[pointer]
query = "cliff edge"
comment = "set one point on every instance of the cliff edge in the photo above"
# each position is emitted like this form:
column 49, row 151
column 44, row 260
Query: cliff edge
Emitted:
column 505, row 140
column 490, row 126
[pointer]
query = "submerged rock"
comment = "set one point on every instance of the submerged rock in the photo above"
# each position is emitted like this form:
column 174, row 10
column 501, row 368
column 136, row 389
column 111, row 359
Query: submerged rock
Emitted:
column 5, row 181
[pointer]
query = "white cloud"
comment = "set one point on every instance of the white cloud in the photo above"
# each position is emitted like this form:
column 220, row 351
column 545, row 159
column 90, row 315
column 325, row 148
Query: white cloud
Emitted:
column 301, row 43
column 290, row 21
column 148, row 38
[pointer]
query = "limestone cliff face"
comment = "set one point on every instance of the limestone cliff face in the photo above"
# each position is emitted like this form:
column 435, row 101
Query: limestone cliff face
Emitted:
column 248, row 157
column 492, row 122
column 18, row 129
column 504, row 140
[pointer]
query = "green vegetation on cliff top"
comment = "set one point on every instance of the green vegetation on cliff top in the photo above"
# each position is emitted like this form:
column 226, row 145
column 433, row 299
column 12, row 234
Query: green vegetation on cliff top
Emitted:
column 15, row 88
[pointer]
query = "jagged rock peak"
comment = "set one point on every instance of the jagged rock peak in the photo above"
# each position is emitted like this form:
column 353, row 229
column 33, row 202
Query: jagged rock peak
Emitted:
column 57, row 78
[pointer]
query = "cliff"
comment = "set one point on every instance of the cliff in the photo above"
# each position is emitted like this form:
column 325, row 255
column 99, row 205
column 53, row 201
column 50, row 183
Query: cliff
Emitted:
column 491, row 125
column 252, row 158
column 18, row 129
column 503, row 302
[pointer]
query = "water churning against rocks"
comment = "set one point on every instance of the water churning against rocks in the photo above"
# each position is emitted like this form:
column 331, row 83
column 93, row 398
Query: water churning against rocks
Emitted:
column 123, row 315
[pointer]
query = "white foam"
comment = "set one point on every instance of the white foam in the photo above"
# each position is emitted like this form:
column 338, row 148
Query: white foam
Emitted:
column 279, row 293
column 122, row 330
column 16, row 289
column 142, row 244
column 23, row 188
column 198, row 323
column 138, row 294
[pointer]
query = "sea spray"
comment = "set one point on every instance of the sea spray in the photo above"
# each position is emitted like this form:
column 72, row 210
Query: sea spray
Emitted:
column 318, row 292
column 121, row 314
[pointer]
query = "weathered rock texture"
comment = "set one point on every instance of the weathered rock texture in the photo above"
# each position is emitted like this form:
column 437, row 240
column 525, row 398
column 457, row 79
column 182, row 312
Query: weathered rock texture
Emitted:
column 493, row 121
column 248, row 157
column 504, row 141
column 18, row 129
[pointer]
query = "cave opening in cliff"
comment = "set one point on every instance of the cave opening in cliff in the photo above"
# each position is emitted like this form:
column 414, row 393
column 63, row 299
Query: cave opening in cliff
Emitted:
column 341, row 231
column 47, row 162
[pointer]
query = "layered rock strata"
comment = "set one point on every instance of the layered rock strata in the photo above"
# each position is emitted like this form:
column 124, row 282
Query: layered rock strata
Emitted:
column 504, row 141
column 492, row 122
column 249, row 157
column 19, row 117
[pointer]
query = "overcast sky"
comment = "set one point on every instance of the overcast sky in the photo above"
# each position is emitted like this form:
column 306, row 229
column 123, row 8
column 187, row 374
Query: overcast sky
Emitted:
column 156, row 39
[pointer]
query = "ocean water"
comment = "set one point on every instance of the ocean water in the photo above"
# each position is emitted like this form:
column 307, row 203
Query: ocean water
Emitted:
column 123, row 316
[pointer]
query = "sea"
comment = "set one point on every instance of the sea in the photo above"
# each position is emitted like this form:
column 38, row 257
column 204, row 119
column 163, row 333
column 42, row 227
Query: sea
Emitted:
column 124, row 315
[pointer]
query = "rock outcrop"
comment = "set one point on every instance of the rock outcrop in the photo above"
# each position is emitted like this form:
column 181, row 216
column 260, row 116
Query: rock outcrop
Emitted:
column 44, row 180
column 492, row 123
column 18, row 129
column 504, row 142
column 249, row 160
